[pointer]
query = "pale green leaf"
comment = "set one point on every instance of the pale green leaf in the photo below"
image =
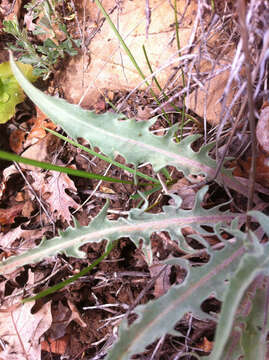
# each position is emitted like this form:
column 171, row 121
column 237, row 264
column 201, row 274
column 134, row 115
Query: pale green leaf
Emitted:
column 252, row 263
column 253, row 340
column 139, row 225
column 159, row 317
column 130, row 138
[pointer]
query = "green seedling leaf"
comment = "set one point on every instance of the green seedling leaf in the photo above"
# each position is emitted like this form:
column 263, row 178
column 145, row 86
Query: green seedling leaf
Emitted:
column 159, row 317
column 11, row 94
column 254, row 261
column 253, row 339
column 139, row 225
column 132, row 139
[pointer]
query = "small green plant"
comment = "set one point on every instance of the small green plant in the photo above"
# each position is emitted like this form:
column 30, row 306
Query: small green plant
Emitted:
column 11, row 94
column 227, row 274
column 43, row 57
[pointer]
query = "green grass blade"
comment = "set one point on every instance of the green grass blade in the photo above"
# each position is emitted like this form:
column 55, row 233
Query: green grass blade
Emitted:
column 125, row 47
column 44, row 165
column 68, row 281
column 105, row 158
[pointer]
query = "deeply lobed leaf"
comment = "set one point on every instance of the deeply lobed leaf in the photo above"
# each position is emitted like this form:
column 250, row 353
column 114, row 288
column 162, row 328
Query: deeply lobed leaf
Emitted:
column 138, row 225
column 130, row 138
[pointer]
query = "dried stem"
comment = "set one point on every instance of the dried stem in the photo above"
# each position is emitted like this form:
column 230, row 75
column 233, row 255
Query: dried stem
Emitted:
column 251, row 117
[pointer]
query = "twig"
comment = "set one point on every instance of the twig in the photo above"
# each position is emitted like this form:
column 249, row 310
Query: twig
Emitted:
column 241, row 10
column 148, row 18
column 144, row 291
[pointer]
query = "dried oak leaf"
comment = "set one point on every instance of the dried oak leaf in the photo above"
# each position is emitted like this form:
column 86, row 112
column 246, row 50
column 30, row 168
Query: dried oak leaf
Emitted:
column 21, row 330
column 28, row 238
column 52, row 189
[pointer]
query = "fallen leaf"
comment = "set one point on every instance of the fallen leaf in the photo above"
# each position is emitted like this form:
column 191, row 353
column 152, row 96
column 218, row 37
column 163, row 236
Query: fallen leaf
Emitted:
column 38, row 123
column 61, row 318
column 16, row 140
column 27, row 239
column 8, row 215
column 21, row 330
column 52, row 189
column 183, row 189
column 109, row 67
column 42, row 150
column 162, row 283
column 58, row 346
column 207, row 345
column 243, row 167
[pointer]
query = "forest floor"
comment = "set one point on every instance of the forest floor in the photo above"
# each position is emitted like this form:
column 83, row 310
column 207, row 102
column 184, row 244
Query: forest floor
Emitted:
column 81, row 320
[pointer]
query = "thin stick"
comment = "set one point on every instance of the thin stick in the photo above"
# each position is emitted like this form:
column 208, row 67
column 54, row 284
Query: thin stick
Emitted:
column 241, row 10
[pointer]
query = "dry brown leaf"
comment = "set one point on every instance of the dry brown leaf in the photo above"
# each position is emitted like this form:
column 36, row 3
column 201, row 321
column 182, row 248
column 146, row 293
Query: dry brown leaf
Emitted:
column 61, row 318
column 16, row 140
column 75, row 315
column 37, row 124
column 183, row 189
column 58, row 346
column 42, row 150
column 52, row 189
column 207, row 345
column 21, row 330
column 109, row 67
column 27, row 238
column 242, row 169
column 8, row 215
column 162, row 283
column 59, row 200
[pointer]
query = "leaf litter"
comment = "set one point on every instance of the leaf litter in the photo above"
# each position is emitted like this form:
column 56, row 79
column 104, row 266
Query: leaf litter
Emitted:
column 83, row 318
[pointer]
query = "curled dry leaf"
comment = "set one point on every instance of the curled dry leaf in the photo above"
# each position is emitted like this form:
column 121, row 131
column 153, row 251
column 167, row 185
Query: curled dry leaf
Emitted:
column 39, row 123
column 183, row 189
column 16, row 140
column 42, row 150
